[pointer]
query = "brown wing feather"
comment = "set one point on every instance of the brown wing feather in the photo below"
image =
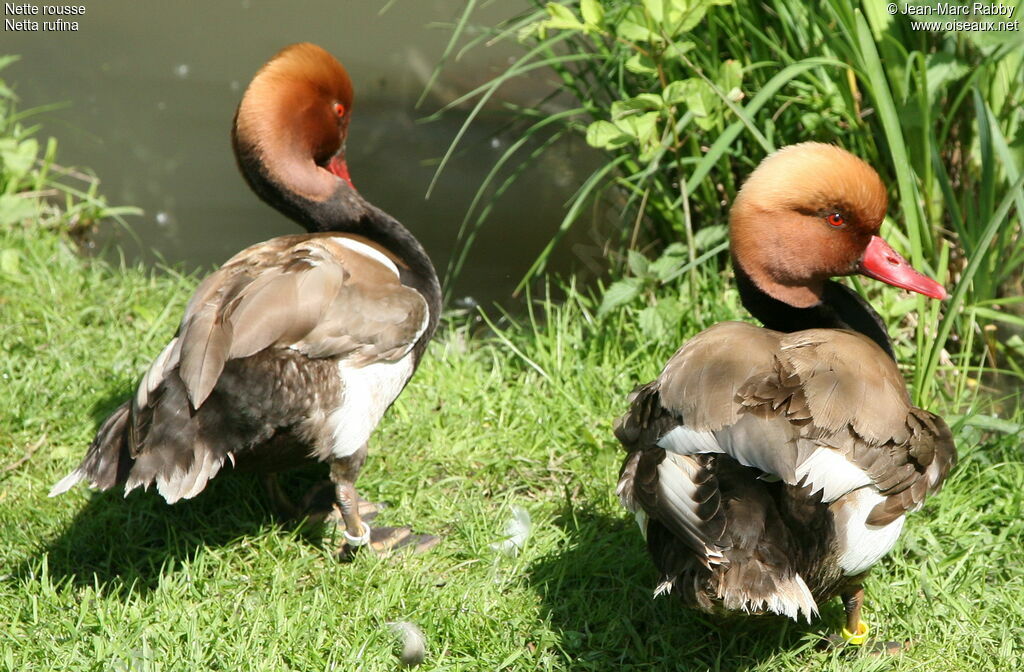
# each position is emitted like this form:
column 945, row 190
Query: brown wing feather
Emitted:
column 848, row 380
column 678, row 492
column 771, row 401
column 286, row 306
column 700, row 381
column 310, row 294
column 205, row 341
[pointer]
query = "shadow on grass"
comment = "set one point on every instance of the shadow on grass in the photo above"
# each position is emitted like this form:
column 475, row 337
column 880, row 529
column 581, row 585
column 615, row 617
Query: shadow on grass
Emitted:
column 598, row 595
column 125, row 544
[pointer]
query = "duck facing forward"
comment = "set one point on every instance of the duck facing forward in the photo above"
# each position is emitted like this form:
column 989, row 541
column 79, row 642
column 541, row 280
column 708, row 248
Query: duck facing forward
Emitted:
column 292, row 351
column 770, row 468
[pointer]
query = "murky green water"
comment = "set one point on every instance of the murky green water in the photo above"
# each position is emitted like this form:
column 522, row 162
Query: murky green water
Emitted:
column 152, row 86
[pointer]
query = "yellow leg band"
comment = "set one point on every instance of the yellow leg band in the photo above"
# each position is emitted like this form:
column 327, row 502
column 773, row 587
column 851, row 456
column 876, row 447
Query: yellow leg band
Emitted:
column 859, row 637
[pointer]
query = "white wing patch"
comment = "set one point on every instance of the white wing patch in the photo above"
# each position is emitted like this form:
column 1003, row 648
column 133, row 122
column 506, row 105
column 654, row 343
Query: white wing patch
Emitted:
column 677, row 490
column 831, row 473
column 749, row 452
column 685, row 441
column 366, row 393
column 862, row 545
column 826, row 470
column 367, row 251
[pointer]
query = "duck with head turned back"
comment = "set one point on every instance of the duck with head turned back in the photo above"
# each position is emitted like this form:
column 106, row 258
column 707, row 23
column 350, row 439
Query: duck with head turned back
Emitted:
column 770, row 468
column 292, row 351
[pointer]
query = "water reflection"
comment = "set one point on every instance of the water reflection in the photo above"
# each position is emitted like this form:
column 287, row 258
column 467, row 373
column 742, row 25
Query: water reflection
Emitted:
column 152, row 88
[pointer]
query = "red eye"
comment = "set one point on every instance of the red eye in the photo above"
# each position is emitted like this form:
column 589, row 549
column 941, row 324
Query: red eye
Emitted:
column 339, row 109
column 835, row 219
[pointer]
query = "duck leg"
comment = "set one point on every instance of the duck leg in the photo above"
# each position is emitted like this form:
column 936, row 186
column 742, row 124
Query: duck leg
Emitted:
column 356, row 531
column 319, row 500
column 856, row 630
column 310, row 509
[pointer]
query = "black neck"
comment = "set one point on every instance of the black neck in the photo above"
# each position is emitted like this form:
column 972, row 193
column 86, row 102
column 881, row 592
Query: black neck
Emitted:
column 346, row 211
column 840, row 308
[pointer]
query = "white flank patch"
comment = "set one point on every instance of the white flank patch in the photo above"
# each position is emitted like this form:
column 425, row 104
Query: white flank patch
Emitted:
column 685, row 441
column 831, row 473
column 366, row 393
column 862, row 545
column 367, row 251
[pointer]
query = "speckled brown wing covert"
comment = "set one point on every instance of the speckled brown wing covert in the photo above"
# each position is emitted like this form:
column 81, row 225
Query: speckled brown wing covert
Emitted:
column 292, row 306
column 725, row 458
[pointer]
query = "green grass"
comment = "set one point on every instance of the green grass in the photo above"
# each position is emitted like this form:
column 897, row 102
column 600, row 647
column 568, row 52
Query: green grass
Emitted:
column 504, row 413
column 518, row 417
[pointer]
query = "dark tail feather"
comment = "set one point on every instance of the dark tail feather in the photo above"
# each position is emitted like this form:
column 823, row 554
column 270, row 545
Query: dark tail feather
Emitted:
column 107, row 462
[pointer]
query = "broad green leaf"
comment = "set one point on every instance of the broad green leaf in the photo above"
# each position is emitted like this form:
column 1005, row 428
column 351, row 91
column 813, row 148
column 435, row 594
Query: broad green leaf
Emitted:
column 17, row 157
column 651, row 323
column 943, row 68
column 14, row 209
column 684, row 15
column 644, row 127
column 665, row 266
column 993, row 423
column 678, row 48
column 633, row 27
column 593, row 12
column 675, row 250
column 703, row 103
column 606, row 135
column 645, row 101
column 641, row 64
column 656, row 8
column 638, row 263
column 562, row 18
column 731, row 76
column 709, row 236
column 678, row 91
column 619, row 293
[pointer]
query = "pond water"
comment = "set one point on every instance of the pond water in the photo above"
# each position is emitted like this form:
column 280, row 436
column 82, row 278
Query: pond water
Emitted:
column 151, row 88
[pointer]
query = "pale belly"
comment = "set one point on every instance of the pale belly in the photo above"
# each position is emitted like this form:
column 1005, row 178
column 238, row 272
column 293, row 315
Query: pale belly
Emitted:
column 367, row 392
column 861, row 545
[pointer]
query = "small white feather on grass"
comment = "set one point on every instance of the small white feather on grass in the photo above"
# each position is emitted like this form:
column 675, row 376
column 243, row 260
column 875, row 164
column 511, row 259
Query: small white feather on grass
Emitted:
column 517, row 531
column 411, row 642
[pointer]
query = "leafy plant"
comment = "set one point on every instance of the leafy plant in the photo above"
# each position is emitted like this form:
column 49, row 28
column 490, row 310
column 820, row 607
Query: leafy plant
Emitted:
column 686, row 96
column 36, row 191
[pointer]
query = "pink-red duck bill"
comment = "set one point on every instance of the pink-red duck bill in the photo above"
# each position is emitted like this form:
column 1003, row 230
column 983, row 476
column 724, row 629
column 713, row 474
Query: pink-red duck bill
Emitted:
column 881, row 262
column 339, row 167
